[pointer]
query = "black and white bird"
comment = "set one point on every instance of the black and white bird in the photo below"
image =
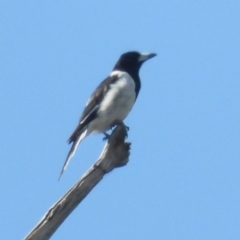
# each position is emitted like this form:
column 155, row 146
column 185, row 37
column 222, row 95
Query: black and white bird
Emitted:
column 112, row 100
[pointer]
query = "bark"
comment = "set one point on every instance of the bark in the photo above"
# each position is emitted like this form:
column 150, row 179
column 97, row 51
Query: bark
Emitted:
column 115, row 154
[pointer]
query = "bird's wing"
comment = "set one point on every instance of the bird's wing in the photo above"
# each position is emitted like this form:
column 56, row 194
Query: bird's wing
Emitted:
column 92, row 107
column 88, row 115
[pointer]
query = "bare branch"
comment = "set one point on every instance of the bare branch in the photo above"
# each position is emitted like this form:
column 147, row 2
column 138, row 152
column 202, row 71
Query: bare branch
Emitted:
column 115, row 154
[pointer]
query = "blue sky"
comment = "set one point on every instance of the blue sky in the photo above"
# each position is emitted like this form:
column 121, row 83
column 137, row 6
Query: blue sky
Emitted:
column 182, row 180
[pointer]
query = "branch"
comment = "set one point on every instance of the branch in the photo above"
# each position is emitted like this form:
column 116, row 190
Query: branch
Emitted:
column 115, row 154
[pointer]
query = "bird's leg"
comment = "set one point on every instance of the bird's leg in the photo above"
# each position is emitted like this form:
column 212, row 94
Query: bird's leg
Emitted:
column 127, row 127
column 117, row 122
column 106, row 136
column 121, row 123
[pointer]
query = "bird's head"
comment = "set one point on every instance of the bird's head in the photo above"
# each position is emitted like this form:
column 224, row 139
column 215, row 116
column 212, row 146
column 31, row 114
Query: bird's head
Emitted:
column 132, row 61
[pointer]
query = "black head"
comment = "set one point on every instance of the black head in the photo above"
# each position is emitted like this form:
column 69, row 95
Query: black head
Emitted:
column 131, row 62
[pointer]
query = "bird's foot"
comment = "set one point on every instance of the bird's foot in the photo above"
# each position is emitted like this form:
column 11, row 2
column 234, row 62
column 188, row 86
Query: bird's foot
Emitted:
column 127, row 127
column 121, row 123
column 106, row 136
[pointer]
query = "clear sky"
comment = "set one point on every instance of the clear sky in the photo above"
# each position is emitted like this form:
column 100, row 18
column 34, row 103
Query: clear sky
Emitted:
column 183, row 178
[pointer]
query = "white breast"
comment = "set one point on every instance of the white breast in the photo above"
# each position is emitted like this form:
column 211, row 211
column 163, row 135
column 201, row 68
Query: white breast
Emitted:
column 117, row 103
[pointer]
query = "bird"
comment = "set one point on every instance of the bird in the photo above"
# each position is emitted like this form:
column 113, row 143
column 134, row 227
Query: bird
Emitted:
column 111, row 102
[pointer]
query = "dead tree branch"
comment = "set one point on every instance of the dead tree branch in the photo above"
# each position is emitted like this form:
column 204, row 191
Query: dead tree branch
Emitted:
column 115, row 154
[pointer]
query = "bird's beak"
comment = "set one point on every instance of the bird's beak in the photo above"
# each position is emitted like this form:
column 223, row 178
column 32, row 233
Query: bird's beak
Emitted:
column 145, row 56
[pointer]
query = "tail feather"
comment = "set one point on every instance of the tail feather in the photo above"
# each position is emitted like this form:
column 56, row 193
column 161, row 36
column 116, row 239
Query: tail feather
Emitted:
column 72, row 151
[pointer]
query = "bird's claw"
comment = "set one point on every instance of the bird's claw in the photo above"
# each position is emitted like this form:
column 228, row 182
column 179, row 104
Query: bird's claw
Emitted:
column 114, row 125
column 127, row 127
column 121, row 123
column 106, row 136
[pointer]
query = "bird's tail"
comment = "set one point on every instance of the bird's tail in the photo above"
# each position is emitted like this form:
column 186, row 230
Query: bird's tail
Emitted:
column 72, row 151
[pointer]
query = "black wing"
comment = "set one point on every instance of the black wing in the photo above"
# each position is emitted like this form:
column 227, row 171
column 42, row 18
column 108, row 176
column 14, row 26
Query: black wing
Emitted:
column 92, row 107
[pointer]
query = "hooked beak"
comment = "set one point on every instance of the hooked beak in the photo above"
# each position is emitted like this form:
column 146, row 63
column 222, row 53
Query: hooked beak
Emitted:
column 145, row 56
